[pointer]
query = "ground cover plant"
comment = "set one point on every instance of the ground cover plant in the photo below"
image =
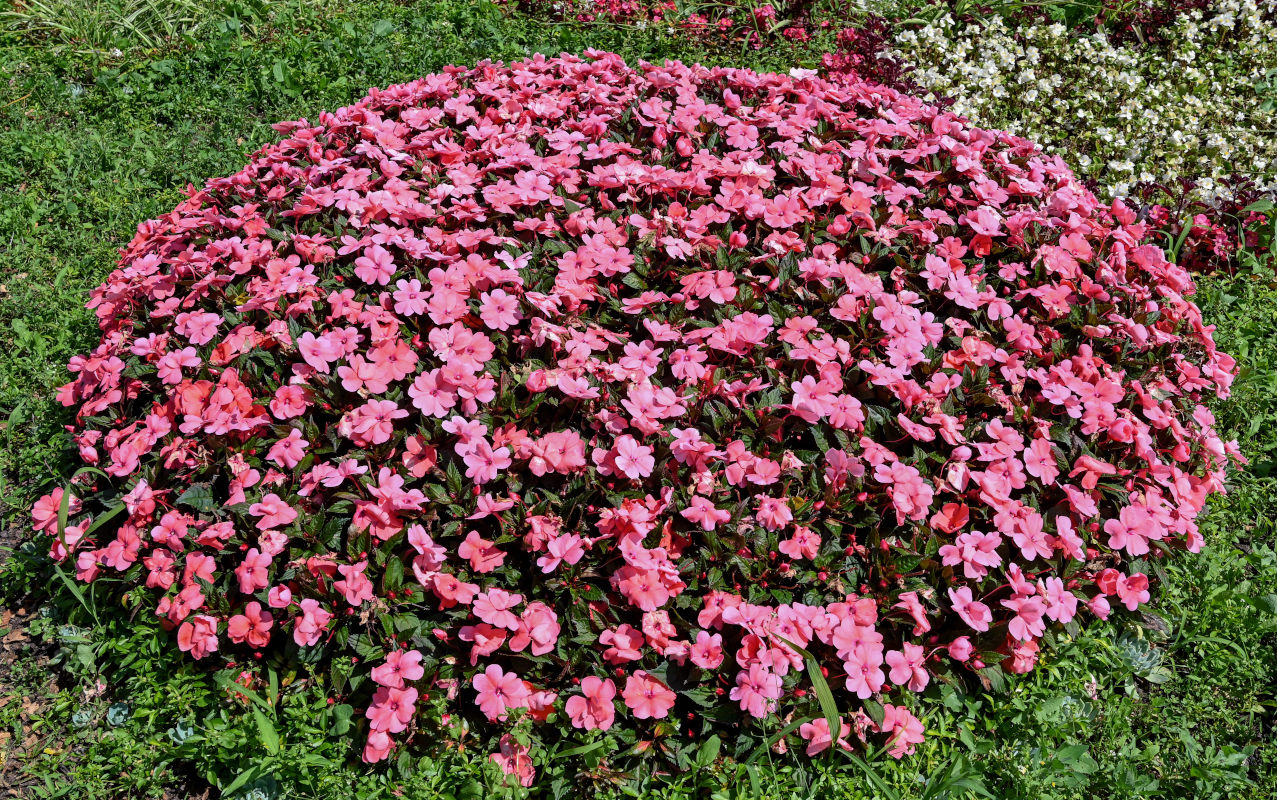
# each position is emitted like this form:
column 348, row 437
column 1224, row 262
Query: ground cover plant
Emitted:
column 1168, row 702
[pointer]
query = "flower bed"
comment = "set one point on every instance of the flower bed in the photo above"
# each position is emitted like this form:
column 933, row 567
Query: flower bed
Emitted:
column 569, row 396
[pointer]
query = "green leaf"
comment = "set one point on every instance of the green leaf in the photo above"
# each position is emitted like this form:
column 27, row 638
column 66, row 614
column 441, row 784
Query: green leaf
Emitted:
column 708, row 751
column 585, row 748
column 1077, row 759
column 343, row 716
column 250, row 774
column 393, row 580
column 266, row 731
column 226, row 680
column 199, row 497
column 1266, row 604
column 828, row 707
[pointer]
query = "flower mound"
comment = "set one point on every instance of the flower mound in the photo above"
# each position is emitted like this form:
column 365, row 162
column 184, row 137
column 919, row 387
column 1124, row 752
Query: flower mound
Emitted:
column 627, row 394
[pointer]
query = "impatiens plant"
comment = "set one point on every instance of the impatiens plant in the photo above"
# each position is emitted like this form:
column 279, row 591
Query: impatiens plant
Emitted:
column 564, row 396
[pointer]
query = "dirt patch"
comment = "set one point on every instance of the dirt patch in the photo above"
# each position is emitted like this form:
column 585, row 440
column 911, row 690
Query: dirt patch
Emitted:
column 10, row 538
column 28, row 684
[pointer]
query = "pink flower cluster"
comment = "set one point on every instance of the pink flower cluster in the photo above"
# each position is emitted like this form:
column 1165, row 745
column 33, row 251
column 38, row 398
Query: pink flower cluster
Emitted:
column 573, row 387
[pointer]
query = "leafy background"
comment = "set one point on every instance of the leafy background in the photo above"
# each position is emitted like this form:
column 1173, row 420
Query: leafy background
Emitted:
column 109, row 107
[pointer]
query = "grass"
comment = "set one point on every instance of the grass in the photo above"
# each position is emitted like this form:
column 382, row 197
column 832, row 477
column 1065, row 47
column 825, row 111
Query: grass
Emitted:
column 92, row 143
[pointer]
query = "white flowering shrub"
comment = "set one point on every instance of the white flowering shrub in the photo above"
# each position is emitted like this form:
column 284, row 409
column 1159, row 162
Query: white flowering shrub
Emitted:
column 1193, row 108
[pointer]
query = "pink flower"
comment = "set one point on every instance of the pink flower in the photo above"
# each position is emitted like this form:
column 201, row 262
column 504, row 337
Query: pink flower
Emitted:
column 816, row 733
column 484, row 463
column 400, row 666
column 310, row 627
column 755, row 689
column 498, row 692
column 499, row 310
column 493, row 607
column 707, row 651
column 622, row 644
column 513, row 758
column 1028, row 620
column 482, row 554
column 593, row 709
column 805, row 543
column 909, row 602
column 252, row 571
column 538, row 630
column 432, row 395
column 44, row 515
column 906, row 730
column 564, row 548
column 354, row 586
column 704, row 513
column 1132, row 530
column 647, row 697
column 372, row 423
column 1133, row 591
column 642, row 587
column 376, row 265
column 1061, row 604
column 864, row 672
column 773, row 513
column 562, row 452
column 392, row 709
column 907, row 667
column 274, row 512
column 975, row 551
column 377, row 747
column 973, row 612
column 634, row 460
column 290, row 401
column 486, row 638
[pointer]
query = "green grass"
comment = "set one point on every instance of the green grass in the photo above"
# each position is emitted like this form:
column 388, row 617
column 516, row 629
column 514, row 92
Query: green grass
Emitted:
column 92, row 143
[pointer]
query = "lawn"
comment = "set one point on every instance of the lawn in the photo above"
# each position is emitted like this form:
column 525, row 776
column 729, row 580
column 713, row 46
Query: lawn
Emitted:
column 107, row 113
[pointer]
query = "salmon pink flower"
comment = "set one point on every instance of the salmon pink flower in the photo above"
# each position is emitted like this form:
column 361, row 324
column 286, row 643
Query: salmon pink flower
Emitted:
column 253, row 626
column 273, row 512
column 647, row 697
column 498, row 310
column 593, row 708
column 197, row 635
column 704, row 513
column 906, row 730
column 707, row 651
